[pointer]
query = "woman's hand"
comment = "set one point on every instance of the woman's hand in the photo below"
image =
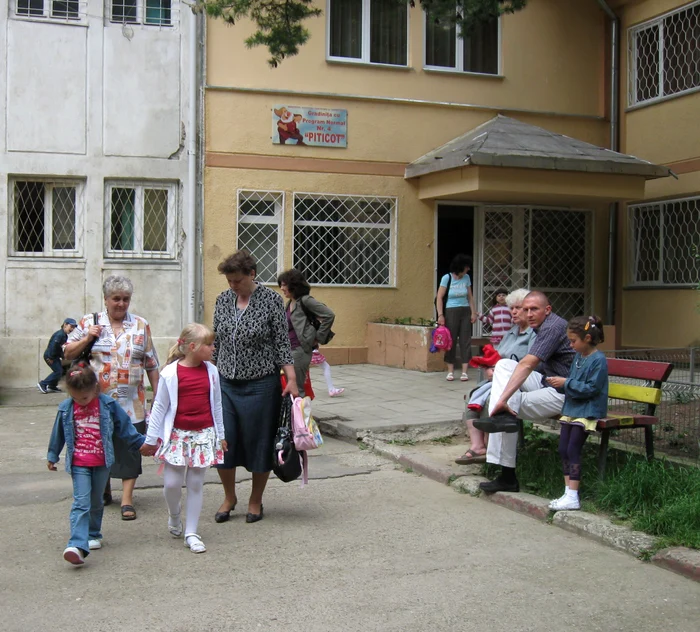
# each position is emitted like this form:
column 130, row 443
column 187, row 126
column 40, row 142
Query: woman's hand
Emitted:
column 440, row 320
column 556, row 382
column 51, row 466
column 94, row 331
column 224, row 445
column 473, row 318
column 291, row 388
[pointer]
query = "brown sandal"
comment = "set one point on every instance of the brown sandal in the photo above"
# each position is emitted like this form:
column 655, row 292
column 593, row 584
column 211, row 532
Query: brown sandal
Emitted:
column 470, row 457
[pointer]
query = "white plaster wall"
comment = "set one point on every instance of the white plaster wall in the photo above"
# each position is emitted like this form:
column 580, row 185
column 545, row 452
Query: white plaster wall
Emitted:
column 46, row 85
column 141, row 92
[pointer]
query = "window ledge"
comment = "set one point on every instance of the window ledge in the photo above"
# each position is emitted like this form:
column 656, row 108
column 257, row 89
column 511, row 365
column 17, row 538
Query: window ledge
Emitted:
column 664, row 286
column 461, row 73
column 368, row 64
column 153, row 264
column 668, row 97
column 82, row 21
column 19, row 262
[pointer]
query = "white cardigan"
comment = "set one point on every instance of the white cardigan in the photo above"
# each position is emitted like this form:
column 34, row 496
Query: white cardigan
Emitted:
column 160, row 425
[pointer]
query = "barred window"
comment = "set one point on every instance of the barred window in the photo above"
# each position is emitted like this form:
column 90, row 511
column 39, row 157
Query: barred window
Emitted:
column 664, row 55
column 149, row 12
column 344, row 239
column 51, row 9
column 371, row 31
column 477, row 52
column 664, row 241
column 141, row 220
column 260, row 232
column 45, row 216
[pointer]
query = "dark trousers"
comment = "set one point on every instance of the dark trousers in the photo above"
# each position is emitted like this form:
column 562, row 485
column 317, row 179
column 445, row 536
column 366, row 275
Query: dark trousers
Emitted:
column 458, row 321
column 56, row 375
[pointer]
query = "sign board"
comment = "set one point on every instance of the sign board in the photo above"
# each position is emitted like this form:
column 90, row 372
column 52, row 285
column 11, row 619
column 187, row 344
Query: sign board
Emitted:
column 315, row 127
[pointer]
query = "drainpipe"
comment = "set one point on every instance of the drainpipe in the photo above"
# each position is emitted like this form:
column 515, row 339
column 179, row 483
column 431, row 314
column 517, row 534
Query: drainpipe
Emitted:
column 614, row 145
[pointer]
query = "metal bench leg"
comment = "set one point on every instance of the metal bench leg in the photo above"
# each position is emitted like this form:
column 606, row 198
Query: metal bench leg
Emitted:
column 603, row 453
column 649, row 440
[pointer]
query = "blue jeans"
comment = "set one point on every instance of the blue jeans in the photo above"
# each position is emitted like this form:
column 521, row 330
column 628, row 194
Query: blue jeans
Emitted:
column 86, row 512
column 56, row 375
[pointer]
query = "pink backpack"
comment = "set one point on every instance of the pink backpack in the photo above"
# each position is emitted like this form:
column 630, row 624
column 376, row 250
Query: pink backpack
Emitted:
column 305, row 431
column 442, row 338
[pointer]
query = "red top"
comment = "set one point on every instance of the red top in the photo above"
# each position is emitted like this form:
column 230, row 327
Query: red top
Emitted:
column 193, row 405
column 88, row 451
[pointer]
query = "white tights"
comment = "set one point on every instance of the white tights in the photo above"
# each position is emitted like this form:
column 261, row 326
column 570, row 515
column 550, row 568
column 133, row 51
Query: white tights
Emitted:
column 173, row 479
column 327, row 376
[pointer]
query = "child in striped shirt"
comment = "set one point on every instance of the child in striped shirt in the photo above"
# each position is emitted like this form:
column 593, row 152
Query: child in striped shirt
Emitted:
column 498, row 317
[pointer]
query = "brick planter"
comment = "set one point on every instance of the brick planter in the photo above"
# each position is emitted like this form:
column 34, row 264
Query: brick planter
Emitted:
column 402, row 346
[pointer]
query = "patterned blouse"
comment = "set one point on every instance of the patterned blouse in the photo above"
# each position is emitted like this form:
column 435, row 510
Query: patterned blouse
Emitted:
column 253, row 342
column 119, row 362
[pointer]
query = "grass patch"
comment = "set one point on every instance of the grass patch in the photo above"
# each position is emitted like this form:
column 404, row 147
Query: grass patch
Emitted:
column 403, row 442
column 657, row 497
column 408, row 470
column 442, row 440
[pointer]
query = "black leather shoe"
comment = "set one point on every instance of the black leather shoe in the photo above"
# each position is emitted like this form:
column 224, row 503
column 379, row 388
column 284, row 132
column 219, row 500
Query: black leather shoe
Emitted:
column 497, row 423
column 499, row 485
column 251, row 517
column 223, row 516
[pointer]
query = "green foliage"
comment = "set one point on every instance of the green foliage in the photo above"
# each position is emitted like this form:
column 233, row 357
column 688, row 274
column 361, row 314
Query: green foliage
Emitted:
column 406, row 320
column 403, row 442
column 280, row 22
column 442, row 440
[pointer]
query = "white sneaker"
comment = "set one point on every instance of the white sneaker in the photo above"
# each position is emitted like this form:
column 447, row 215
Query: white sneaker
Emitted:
column 552, row 505
column 74, row 556
column 336, row 391
column 94, row 544
column 565, row 504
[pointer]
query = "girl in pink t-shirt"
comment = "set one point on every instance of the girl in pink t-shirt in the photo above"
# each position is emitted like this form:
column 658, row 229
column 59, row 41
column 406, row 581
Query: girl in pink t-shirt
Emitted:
column 86, row 424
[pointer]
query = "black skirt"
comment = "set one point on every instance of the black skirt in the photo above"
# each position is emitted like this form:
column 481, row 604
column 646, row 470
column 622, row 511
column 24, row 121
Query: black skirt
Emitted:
column 127, row 462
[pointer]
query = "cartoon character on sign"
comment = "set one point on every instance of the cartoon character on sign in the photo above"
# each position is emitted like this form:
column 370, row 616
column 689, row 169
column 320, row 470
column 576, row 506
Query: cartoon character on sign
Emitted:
column 287, row 126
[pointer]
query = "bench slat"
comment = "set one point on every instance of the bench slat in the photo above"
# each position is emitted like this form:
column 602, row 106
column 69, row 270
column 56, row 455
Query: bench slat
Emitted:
column 626, row 421
column 632, row 393
column 640, row 369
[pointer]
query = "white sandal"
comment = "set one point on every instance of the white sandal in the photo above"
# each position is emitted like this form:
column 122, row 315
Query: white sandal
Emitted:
column 194, row 542
column 450, row 377
column 464, row 378
column 176, row 530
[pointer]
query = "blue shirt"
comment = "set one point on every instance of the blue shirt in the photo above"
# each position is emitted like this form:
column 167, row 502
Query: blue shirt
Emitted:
column 586, row 388
column 458, row 294
column 515, row 345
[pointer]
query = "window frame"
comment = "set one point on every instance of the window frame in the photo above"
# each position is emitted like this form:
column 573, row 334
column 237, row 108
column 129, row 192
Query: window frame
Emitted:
column 172, row 221
column 49, row 185
column 459, row 54
column 632, row 268
column 278, row 220
column 392, row 226
column 632, row 61
column 364, row 59
column 141, row 16
column 48, row 16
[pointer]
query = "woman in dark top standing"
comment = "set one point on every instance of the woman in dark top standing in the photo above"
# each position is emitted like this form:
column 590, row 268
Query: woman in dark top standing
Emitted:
column 252, row 344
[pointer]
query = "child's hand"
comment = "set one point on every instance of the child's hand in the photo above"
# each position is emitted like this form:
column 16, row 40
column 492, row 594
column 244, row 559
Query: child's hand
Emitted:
column 51, row 466
column 147, row 450
column 488, row 373
column 556, row 382
column 224, row 445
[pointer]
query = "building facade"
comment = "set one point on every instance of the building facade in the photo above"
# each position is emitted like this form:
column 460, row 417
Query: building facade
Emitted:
column 357, row 205
column 97, row 150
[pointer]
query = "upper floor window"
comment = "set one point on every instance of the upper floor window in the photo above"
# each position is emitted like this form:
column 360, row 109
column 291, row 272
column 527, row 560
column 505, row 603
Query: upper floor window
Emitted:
column 477, row 52
column 371, row 31
column 344, row 239
column 664, row 55
column 44, row 217
column 260, row 231
column 151, row 12
column 141, row 220
column 663, row 239
column 51, row 9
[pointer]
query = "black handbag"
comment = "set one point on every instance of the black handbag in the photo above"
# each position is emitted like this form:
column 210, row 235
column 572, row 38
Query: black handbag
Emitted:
column 286, row 459
column 86, row 353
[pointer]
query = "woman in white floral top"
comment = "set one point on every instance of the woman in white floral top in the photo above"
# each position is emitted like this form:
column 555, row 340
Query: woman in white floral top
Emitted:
column 122, row 352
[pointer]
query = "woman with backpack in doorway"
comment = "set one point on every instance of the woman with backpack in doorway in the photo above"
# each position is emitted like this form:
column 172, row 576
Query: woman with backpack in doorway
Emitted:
column 453, row 303
column 309, row 322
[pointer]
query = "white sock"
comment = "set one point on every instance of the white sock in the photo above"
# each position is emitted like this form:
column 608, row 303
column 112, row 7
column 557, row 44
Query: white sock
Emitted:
column 195, row 496
column 173, row 478
column 327, row 375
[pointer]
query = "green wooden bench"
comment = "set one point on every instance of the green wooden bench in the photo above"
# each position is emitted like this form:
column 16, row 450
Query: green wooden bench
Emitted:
column 653, row 374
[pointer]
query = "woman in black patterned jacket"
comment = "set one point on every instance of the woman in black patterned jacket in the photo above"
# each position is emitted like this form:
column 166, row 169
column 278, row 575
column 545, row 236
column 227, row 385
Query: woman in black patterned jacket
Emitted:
column 252, row 344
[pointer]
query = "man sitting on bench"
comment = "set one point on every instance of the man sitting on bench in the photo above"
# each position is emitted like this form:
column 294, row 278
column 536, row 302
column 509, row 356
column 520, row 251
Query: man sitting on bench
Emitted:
column 519, row 389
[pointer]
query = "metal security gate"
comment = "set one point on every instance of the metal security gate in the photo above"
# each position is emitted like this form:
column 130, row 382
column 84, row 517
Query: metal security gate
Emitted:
column 535, row 248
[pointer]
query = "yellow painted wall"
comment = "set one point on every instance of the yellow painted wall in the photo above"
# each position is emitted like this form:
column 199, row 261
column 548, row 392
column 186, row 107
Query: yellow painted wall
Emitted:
column 666, row 132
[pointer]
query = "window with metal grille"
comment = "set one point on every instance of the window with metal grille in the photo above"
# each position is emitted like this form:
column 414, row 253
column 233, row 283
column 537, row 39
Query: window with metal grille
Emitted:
column 149, row 12
column 664, row 55
column 476, row 53
column 45, row 216
column 260, row 230
column 51, row 9
column 344, row 239
column 664, row 238
column 141, row 220
column 371, row 31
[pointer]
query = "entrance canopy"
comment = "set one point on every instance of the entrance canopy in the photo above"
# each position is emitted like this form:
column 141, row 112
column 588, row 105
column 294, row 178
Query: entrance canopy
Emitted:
column 506, row 160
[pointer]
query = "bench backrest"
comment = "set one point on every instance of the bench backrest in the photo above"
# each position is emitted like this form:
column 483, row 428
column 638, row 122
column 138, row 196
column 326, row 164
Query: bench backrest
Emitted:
column 656, row 372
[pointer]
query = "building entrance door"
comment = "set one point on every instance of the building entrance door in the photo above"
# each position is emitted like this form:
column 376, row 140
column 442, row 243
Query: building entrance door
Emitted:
column 455, row 235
